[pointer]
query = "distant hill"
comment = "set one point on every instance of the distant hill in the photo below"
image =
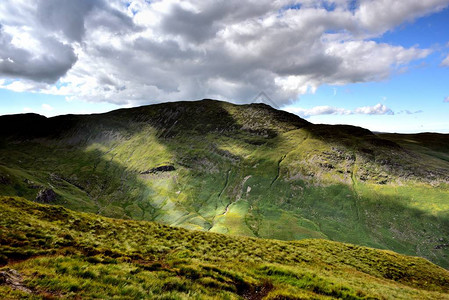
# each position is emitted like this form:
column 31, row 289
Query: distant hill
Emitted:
column 52, row 253
column 245, row 170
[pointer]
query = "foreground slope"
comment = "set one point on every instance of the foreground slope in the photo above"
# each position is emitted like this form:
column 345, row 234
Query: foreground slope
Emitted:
column 245, row 170
column 52, row 252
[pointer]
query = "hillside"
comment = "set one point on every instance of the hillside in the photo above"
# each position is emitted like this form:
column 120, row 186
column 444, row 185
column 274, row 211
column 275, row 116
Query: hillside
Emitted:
column 245, row 170
column 430, row 144
column 51, row 252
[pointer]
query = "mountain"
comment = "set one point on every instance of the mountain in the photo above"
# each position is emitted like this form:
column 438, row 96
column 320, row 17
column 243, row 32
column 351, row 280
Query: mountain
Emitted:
column 246, row 170
column 55, row 253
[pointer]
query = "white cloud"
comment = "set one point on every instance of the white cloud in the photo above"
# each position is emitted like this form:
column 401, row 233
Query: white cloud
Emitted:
column 134, row 52
column 318, row 110
column 445, row 62
column 27, row 109
column 378, row 109
column 382, row 15
column 47, row 107
column 409, row 112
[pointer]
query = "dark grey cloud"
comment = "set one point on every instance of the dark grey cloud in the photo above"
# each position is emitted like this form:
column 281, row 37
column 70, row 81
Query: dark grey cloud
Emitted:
column 209, row 17
column 195, row 27
column 66, row 16
column 40, row 43
column 53, row 63
column 71, row 17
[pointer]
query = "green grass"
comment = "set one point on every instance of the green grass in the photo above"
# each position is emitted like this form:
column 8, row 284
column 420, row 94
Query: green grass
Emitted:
column 65, row 254
column 279, row 176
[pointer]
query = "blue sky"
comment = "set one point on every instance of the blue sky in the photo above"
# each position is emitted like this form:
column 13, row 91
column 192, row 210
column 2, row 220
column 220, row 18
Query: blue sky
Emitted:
column 416, row 96
column 382, row 72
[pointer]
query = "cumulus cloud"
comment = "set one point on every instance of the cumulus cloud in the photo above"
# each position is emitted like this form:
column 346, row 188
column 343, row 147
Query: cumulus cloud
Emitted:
column 42, row 60
column 378, row 109
column 136, row 51
column 381, row 15
column 64, row 16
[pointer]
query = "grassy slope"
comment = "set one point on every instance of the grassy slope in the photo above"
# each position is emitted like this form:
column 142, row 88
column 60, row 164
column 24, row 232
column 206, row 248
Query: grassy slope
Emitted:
column 245, row 170
column 60, row 253
column 430, row 144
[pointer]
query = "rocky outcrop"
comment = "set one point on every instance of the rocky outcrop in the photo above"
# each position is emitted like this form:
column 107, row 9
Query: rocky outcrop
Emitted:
column 47, row 196
column 4, row 179
column 165, row 168
column 13, row 279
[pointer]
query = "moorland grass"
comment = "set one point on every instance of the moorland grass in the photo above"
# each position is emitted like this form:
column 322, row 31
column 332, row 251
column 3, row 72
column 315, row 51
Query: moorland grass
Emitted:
column 248, row 170
column 65, row 254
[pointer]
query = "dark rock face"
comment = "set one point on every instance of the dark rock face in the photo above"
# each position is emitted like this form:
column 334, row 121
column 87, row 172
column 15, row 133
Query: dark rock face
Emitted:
column 4, row 179
column 167, row 168
column 46, row 196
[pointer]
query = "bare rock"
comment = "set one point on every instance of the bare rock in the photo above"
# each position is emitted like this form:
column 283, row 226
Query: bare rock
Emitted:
column 46, row 195
column 166, row 168
column 4, row 179
column 13, row 279
column 441, row 246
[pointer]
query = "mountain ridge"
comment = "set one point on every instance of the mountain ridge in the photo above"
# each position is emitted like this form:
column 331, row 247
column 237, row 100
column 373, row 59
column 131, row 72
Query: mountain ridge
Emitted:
column 239, row 169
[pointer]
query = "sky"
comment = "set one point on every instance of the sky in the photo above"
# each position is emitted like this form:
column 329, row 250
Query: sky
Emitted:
column 378, row 64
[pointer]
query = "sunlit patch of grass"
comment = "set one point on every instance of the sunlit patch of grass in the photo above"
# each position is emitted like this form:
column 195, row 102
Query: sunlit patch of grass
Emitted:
column 68, row 254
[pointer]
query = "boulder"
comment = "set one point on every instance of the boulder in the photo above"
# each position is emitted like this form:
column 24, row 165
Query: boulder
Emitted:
column 166, row 168
column 46, row 195
column 4, row 179
column 13, row 279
